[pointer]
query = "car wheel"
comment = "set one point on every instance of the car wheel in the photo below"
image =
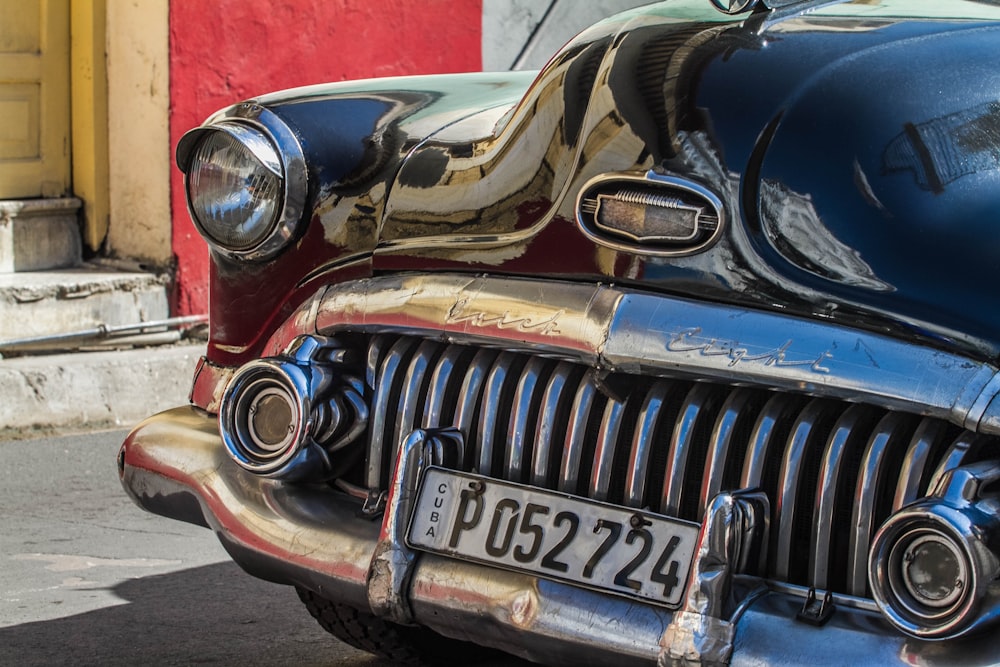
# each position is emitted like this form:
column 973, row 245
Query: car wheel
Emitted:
column 403, row 645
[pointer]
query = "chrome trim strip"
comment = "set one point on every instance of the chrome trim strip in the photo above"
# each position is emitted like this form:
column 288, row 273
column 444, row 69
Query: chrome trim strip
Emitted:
column 209, row 384
column 616, row 329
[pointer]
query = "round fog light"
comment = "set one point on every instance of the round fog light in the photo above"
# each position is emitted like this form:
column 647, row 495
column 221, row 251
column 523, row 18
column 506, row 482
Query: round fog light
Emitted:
column 272, row 419
column 923, row 575
column 264, row 415
column 289, row 417
column 932, row 570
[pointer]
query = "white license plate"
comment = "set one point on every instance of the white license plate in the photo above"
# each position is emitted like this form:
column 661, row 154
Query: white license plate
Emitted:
column 594, row 544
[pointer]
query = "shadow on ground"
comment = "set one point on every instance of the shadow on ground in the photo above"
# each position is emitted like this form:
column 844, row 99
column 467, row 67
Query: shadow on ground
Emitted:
column 212, row 615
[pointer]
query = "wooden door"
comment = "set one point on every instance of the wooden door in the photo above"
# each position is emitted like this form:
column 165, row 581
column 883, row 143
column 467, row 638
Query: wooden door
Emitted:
column 34, row 98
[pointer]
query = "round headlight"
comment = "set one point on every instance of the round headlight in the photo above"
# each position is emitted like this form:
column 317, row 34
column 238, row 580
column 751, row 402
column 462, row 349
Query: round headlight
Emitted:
column 234, row 185
column 246, row 181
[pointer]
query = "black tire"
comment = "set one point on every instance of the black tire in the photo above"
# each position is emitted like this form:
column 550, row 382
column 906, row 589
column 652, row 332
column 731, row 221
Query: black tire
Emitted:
column 402, row 644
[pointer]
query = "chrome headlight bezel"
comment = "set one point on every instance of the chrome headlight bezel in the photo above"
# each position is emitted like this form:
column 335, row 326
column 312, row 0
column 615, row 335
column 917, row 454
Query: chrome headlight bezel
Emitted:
column 275, row 147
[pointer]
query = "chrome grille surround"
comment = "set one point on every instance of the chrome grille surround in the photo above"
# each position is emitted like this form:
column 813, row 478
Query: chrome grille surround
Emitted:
column 646, row 400
column 672, row 445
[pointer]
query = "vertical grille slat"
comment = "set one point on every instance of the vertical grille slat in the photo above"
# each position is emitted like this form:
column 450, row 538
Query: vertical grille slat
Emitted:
column 643, row 441
column 445, row 385
column 414, row 392
column 917, row 461
column 692, row 415
column 494, row 410
column 604, row 457
column 833, row 471
column 468, row 399
column 552, row 425
column 830, row 491
column 524, row 419
column 576, row 437
column 723, row 440
column 383, row 419
column 867, row 516
column 956, row 453
column 769, row 433
column 792, row 499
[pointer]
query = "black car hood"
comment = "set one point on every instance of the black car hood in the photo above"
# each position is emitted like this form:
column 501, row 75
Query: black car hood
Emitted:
column 858, row 161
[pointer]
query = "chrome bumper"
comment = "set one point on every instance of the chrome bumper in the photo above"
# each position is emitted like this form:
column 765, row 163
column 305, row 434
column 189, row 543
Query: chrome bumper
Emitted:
column 174, row 464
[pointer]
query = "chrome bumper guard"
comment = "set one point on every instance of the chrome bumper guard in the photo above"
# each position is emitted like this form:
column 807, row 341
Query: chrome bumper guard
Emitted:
column 174, row 464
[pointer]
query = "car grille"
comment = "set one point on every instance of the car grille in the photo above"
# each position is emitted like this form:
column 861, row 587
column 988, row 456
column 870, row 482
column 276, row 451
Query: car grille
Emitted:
column 832, row 470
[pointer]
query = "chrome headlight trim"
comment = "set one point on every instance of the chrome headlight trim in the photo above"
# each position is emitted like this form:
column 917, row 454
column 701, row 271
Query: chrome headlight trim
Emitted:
column 271, row 143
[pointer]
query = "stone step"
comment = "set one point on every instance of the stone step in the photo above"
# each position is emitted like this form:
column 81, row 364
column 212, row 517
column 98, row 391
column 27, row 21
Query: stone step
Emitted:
column 39, row 234
column 62, row 301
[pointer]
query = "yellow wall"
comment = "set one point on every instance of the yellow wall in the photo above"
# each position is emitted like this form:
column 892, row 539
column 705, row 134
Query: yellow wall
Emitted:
column 89, row 116
column 139, row 151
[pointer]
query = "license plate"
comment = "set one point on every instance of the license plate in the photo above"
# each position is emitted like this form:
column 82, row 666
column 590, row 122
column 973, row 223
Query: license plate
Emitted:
column 554, row 535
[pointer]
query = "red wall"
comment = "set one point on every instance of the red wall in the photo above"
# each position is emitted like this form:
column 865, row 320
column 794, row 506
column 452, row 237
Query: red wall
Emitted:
column 223, row 51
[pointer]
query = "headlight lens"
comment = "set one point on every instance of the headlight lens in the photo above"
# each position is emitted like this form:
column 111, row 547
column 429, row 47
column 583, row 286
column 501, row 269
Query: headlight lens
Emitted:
column 235, row 187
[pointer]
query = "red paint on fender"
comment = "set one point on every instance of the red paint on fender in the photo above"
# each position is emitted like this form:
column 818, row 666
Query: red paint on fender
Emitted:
column 224, row 51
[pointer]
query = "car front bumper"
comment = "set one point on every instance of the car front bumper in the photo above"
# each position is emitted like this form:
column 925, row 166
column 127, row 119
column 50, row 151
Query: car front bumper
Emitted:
column 174, row 464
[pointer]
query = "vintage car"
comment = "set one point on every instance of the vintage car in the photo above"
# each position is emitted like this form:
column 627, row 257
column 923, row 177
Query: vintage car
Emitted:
column 684, row 349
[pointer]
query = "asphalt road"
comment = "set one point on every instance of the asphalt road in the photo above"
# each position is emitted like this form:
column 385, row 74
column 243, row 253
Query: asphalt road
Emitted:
column 87, row 578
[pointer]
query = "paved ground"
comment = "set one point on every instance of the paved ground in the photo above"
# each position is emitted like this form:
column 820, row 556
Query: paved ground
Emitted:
column 87, row 578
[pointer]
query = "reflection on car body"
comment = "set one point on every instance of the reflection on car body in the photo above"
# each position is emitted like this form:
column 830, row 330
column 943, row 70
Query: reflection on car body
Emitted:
column 683, row 349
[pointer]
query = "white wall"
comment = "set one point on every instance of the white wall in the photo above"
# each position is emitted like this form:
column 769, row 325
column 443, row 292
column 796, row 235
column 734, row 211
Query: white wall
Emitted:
column 524, row 34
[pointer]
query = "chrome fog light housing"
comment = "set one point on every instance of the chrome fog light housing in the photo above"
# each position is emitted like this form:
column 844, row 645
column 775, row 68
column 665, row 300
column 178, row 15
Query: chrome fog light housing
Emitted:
column 289, row 416
column 245, row 179
column 933, row 567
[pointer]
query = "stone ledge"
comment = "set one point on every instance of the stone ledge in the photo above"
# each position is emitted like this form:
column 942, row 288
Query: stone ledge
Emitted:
column 43, row 303
column 67, row 392
column 39, row 234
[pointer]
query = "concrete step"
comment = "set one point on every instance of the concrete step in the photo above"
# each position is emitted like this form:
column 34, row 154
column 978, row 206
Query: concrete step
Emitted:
column 39, row 234
column 46, row 303
column 90, row 390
